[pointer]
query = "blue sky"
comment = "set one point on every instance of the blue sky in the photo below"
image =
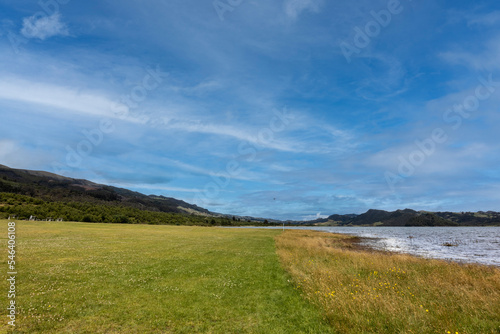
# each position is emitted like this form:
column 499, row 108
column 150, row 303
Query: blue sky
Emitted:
column 289, row 109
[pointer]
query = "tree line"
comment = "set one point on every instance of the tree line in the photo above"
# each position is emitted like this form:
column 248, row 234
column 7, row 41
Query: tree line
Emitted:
column 24, row 207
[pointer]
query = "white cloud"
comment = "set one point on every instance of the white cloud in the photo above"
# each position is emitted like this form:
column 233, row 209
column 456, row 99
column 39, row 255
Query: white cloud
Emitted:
column 54, row 96
column 242, row 174
column 444, row 161
column 150, row 187
column 259, row 138
column 201, row 88
column 313, row 217
column 485, row 20
column 482, row 58
column 62, row 99
column 293, row 8
column 17, row 155
column 7, row 147
column 43, row 27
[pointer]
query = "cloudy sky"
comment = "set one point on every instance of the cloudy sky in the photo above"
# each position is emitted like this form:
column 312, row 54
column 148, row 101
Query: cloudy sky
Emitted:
column 288, row 109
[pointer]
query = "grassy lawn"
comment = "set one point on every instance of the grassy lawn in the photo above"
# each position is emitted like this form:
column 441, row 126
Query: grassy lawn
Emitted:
column 103, row 278
column 364, row 291
column 107, row 278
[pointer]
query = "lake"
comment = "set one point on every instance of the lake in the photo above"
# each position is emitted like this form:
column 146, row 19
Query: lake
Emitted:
column 461, row 244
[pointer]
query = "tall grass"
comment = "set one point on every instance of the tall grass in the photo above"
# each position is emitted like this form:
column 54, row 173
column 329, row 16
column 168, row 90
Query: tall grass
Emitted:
column 363, row 291
column 102, row 278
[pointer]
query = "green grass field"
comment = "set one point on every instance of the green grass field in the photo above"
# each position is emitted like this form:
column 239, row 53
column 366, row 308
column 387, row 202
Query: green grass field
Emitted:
column 104, row 278
column 115, row 278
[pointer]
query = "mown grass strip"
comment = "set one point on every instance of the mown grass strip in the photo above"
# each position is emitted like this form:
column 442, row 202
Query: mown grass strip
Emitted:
column 363, row 291
column 102, row 278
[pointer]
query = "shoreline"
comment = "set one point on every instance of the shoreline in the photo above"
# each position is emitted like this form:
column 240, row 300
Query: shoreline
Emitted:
column 364, row 246
column 465, row 245
column 361, row 289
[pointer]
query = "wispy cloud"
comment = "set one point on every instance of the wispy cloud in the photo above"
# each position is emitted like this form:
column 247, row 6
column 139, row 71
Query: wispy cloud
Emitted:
column 7, row 148
column 316, row 216
column 63, row 99
column 18, row 154
column 242, row 174
column 226, row 79
column 150, row 187
column 59, row 98
column 237, row 132
column 293, row 8
column 43, row 27
column 488, row 19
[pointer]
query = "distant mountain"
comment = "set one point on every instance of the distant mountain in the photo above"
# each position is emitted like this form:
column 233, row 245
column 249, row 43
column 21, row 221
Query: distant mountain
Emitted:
column 43, row 194
column 53, row 187
column 408, row 217
column 472, row 218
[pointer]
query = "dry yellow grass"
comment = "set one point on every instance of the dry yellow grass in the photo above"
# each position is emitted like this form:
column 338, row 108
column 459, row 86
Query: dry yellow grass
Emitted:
column 364, row 291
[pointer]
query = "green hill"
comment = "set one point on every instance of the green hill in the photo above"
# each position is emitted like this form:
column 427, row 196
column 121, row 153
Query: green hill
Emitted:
column 46, row 196
column 408, row 217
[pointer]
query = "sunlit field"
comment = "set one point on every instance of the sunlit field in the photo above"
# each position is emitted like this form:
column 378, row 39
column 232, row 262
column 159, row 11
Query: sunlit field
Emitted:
column 104, row 278
column 363, row 291
column 107, row 278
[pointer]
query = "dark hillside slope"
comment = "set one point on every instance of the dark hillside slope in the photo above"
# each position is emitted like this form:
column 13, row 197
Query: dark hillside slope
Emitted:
column 51, row 187
column 408, row 217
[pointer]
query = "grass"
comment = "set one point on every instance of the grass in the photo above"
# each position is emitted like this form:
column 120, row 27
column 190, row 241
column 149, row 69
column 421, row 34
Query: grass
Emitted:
column 103, row 278
column 106, row 278
column 363, row 291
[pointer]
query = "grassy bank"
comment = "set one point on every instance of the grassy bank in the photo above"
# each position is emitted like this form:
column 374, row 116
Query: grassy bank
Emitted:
column 101, row 278
column 363, row 291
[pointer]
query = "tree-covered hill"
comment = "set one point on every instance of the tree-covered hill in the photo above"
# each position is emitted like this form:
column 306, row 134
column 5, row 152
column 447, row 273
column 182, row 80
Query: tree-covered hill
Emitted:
column 52, row 187
column 42, row 195
column 408, row 217
column 49, row 196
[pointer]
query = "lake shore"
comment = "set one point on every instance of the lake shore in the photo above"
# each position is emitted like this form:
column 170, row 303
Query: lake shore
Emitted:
column 364, row 290
column 461, row 244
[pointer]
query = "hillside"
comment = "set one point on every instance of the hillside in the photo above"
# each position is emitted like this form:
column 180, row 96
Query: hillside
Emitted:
column 408, row 217
column 52, row 187
column 42, row 195
column 45, row 195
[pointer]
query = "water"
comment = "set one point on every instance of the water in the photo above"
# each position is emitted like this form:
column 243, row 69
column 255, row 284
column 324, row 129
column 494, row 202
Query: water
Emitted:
column 461, row 244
